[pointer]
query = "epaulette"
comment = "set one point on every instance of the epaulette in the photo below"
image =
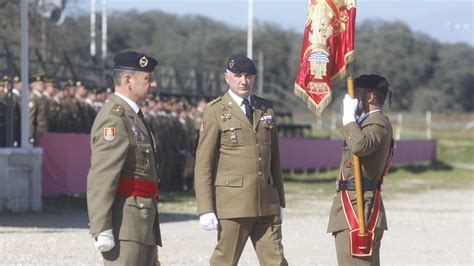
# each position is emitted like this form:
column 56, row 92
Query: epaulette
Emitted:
column 375, row 119
column 214, row 101
column 117, row 110
column 262, row 101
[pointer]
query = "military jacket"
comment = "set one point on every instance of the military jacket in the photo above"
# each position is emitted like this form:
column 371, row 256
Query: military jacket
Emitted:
column 371, row 142
column 17, row 119
column 38, row 116
column 3, row 113
column 127, row 153
column 237, row 171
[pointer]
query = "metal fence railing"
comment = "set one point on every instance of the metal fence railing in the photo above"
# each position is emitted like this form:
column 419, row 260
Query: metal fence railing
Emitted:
column 406, row 125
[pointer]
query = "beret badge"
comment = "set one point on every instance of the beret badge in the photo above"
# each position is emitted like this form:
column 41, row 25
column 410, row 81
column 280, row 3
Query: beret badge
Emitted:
column 143, row 61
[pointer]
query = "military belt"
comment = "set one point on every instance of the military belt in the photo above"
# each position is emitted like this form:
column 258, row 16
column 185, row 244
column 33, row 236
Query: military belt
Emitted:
column 137, row 187
column 350, row 185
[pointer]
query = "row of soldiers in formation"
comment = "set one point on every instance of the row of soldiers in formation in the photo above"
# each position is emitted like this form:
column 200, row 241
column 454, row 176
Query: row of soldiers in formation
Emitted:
column 51, row 108
column 71, row 108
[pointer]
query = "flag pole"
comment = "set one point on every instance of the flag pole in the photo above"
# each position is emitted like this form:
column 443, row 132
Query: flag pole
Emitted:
column 356, row 163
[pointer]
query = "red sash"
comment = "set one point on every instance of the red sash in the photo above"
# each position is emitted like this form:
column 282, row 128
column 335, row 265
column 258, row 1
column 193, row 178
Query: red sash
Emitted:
column 137, row 187
column 361, row 246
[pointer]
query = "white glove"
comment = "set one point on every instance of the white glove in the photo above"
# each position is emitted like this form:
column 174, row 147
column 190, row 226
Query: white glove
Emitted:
column 282, row 213
column 105, row 241
column 349, row 108
column 208, row 221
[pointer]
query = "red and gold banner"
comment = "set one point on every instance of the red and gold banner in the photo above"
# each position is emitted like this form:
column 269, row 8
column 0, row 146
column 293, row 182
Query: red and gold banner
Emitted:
column 328, row 46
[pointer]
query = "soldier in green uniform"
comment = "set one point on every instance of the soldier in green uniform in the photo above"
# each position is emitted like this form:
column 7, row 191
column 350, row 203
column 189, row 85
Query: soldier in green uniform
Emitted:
column 367, row 133
column 16, row 112
column 56, row 107
column 37, row 113
column 162, row 133
column 190, row 147
column 70, row 112
column 122, row 183
column 49, row 92
column 238, row 181
column 82, row 109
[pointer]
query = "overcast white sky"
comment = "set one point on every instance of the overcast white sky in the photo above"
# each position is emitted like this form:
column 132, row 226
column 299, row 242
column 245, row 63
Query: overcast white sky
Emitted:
column 445, row 20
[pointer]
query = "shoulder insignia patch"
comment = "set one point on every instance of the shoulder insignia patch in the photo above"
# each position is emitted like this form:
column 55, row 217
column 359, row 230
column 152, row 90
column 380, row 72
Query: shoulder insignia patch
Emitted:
column 372, row 125
column 109, row 133
column 117, row 110
column 215, row 101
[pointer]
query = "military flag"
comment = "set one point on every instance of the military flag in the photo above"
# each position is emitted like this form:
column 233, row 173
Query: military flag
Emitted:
column 327, row 49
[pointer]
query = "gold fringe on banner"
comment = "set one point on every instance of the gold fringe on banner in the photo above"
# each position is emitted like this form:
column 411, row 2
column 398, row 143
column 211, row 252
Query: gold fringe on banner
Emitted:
column 310, row 103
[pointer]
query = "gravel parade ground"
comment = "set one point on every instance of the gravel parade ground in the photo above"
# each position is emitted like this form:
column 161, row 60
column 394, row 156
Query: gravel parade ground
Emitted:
column 430, row 227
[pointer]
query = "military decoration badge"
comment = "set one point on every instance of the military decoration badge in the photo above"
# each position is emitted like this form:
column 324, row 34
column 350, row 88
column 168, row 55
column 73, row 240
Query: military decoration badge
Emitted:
column 110, row 133
column 267, row 119
column 226, row 117
column 138, row 134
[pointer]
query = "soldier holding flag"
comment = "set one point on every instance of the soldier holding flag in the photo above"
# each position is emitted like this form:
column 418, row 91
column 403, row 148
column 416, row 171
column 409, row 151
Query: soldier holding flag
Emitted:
column 368, row 134
column 327, row 51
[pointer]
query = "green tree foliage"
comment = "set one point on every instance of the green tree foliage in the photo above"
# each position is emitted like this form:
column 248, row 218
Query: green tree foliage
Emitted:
column 453, row 79
column 424, row 74
column 392, row 50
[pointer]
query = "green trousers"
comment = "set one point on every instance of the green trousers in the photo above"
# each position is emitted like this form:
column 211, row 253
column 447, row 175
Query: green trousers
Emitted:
column 265, row 233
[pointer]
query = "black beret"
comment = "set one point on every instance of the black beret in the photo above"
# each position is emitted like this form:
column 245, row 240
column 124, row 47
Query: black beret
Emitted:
column 240, row 63
column 371, row 81
column 134, row 61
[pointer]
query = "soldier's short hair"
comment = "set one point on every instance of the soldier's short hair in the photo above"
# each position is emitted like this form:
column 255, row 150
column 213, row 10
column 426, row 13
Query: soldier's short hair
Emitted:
column 378, row 85
column 119, row 73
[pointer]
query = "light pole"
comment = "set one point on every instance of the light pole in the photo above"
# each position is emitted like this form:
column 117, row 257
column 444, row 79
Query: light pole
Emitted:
column 104, row 29
column 93, row 16
column 250, row 29
column 24, row 73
